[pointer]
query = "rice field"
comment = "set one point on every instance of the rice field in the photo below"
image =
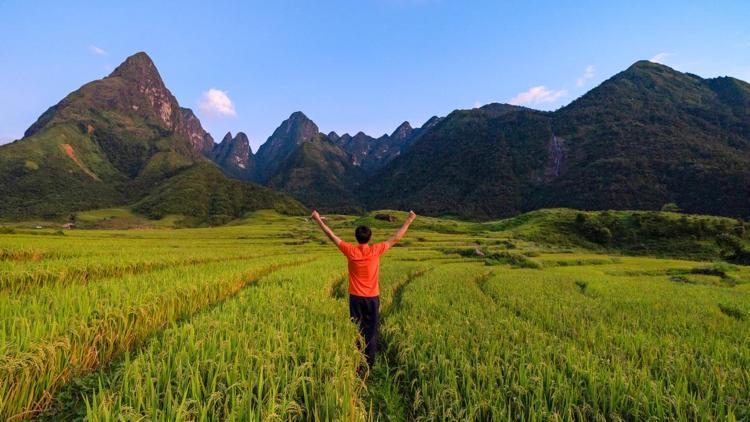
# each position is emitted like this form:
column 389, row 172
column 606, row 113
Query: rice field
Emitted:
column 250, row 322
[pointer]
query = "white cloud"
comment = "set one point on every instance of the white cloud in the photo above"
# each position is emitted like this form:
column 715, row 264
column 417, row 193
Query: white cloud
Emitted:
column 538, row 94
column 588, row 73
column 477, row 104
column 659, row 58
column 216, row 103
column 98, row 51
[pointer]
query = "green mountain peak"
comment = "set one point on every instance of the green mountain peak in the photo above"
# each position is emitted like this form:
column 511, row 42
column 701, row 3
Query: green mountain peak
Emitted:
column 116, row 141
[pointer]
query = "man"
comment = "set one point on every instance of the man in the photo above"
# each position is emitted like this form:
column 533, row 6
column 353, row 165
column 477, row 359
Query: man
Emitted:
column 364, row 289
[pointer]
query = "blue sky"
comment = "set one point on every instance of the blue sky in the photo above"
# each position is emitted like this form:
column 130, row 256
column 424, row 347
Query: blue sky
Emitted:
column 356, row 65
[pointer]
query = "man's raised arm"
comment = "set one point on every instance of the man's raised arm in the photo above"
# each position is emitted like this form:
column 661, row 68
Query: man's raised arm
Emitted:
column 327, row 230
column 402, row 231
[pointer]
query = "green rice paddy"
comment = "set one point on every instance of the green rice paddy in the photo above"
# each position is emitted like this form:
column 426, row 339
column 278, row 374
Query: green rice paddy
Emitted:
column 250, row 322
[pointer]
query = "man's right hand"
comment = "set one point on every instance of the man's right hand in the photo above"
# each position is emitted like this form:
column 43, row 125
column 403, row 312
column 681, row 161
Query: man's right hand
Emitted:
column 402, row 231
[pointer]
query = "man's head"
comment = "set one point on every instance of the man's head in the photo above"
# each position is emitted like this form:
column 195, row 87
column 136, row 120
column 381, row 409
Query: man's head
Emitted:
column 363, row 234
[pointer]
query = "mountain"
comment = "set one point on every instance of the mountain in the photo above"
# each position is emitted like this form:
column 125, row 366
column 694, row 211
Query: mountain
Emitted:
column 475, row 163
column 326, row 171
column 134, row 90
column 333, row 136
column 652, row 135
column 320, row 175
column 371, row 154
column 112, row 142
column 285, row 139
column 358, row 147
column 648, row 136
column 235, row 157
column 402, row 132
column 322, row 171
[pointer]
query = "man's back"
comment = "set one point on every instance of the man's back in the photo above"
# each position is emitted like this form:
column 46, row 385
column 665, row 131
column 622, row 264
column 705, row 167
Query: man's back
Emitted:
column 364, row 267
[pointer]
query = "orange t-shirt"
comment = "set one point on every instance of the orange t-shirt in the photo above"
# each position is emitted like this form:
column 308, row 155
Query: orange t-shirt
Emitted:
column 364, row 266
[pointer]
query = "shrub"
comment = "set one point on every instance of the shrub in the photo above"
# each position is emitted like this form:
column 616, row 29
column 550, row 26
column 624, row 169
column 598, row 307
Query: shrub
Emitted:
column 670, row 207
column 741, row 257
column 465, row 252
column 719, row 269
column 739, row 230
column 507, row 244
column 732, row 311
column 582, row 286
column 593, row 229
column 680, row 279
column 732, row 249
column 514, row 260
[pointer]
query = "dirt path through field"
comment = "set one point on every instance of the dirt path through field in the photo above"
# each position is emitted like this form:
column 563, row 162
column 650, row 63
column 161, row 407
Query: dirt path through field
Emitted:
column 387, row 394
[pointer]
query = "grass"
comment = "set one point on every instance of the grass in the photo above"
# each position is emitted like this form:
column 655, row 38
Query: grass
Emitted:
column 229, row 363
column 249, row 321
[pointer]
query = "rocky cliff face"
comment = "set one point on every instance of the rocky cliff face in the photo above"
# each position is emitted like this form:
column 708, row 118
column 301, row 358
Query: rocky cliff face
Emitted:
column 402, row 132
column 190, row 127
column 333, row 136
column 358, row 147
column 155, row 100
column 140, row 71
column 234, row 156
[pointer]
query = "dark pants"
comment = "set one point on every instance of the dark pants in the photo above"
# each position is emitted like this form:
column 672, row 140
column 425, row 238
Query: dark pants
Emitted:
column 365, row 311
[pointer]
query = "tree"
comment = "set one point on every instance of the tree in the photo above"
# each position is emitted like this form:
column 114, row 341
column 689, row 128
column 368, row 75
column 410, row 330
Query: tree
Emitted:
column 732, row 249
column 671, row 207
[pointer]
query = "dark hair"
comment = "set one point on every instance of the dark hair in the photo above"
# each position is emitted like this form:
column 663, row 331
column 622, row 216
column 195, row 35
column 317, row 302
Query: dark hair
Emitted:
column 363, row 234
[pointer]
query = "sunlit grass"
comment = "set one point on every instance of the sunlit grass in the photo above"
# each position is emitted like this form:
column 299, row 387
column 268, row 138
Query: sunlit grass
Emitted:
column 250, row 322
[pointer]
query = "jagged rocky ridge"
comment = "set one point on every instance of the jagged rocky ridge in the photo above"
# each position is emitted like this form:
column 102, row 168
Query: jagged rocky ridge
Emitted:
column 235, row 157
column 322, row 171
